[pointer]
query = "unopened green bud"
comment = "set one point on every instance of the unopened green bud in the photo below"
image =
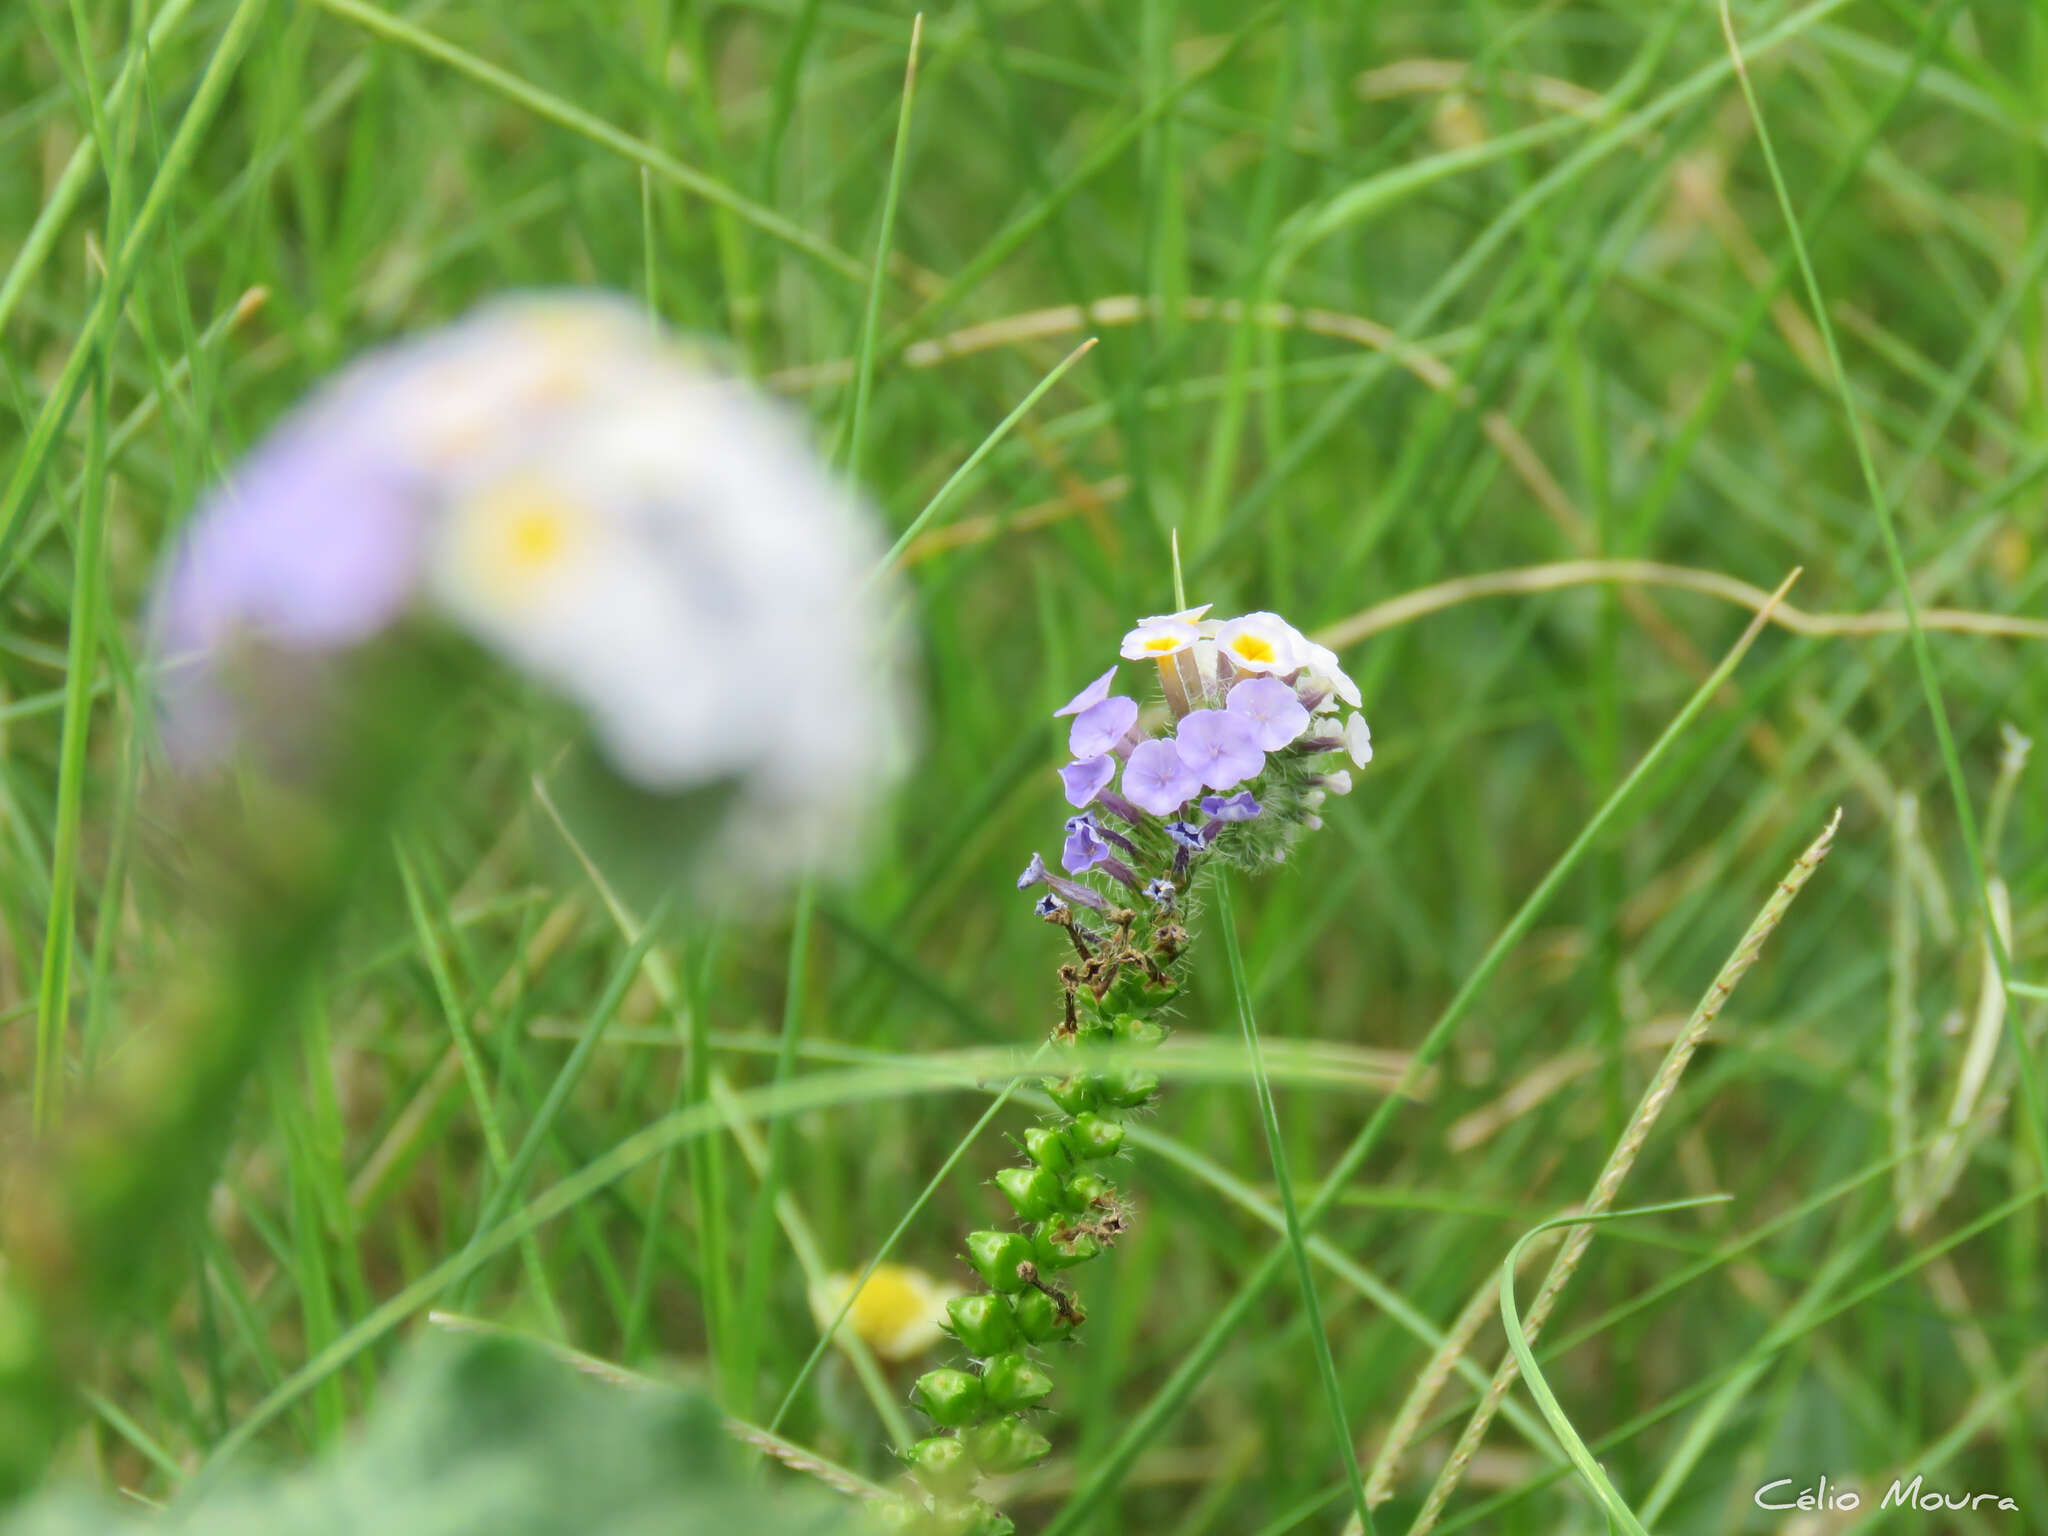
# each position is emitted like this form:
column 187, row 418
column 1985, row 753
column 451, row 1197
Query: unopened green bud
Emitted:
column 987, row 1520
column 1006, row 1445
column 1035, row 1192
column 1096, row 1031
column 942, row 1465
column 966, row 1517
column 900, row 1517
column 1091, row 1136
column 951, row 1398
column 1128, row 1090
column 982, row 1324
column 1012, row 1381
column 1039, row 1319
column 1057, row 1247
column 995, row 1257
column 1048, row 1149
column 1086, row 1189
column 1133, row 990
column 1073, row 1094
column 1142, row 1032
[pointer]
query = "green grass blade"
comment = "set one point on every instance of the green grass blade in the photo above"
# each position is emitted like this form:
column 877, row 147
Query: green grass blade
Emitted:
column 1276, row 1150
column 1611, row 1502
column 2036, row 1116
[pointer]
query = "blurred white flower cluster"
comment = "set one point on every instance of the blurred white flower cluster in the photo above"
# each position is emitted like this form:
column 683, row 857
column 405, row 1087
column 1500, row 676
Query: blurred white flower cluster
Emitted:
column 598, row 506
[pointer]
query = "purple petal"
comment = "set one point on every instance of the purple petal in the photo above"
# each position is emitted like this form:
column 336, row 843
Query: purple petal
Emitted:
column 1035, row 873
column 1239, row 807
column 1084, row 780
column 1220, row 746
column 1101, row 726
column 1272, row 708
column 1083, row 851
column 1156, row 780
column 1088, row 697
column 314, row 545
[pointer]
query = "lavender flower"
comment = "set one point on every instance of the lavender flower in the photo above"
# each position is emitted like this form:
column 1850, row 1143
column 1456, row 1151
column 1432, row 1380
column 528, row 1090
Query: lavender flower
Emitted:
column 1101, row 727
column 1086, row 779
column 1161, row 894
column 1085, row 847
column 1272, row 708
column 1035, row 873
column 1088, row 697
column 1221, row 747
column 1157, row 780
column 1239, row 807
column 1187, row 835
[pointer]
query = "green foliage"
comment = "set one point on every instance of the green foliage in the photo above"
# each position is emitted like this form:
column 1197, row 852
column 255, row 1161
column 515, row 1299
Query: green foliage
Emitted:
column 1390, row 297
column 489, row 1437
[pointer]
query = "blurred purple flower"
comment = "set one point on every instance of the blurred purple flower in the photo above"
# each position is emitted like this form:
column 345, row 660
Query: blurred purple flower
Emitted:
column 1156, row 780
column 1221, row 747
column 315, row 545
column 601, row 509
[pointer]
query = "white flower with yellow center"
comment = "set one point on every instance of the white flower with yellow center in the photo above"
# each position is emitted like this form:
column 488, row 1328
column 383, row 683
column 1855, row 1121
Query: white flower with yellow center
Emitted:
column 1259, row 642
column 1156, row 638
column 898, row 1313
column 700, row 562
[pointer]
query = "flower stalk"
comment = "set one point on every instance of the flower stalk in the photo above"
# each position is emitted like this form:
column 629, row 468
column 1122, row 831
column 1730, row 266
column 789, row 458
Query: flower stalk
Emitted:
column 1231, row 775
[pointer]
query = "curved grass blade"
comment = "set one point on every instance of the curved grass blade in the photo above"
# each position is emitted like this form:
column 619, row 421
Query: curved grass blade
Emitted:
column 1619, row 1515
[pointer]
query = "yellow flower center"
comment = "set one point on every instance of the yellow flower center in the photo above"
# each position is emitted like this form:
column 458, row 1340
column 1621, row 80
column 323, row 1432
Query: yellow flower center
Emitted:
column 512, row 539
column 1254, row 648
column 1162, row 643
column 535, row 535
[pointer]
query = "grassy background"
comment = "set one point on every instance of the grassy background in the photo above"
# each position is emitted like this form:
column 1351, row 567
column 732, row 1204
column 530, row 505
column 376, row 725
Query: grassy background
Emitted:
column 1540, row 306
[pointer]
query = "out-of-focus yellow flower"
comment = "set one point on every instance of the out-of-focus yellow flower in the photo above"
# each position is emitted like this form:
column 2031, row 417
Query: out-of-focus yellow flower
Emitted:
column 897, row 1313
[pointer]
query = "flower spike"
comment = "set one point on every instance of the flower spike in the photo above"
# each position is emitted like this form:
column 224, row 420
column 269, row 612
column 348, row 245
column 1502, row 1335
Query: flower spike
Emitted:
column 1245, row 695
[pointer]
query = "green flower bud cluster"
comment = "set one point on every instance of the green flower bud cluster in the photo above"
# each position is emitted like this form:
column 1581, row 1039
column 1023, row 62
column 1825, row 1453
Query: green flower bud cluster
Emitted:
column 1067, row 1211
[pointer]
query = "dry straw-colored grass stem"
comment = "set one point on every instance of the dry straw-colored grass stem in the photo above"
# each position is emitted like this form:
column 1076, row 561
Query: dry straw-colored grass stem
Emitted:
column 1605, row 1189
column 1651, row 573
